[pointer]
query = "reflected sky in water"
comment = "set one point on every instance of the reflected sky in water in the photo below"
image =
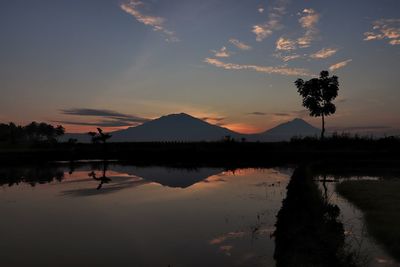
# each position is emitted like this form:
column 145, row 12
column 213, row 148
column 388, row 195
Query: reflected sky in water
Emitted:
column 143, row 216
column 361, row 242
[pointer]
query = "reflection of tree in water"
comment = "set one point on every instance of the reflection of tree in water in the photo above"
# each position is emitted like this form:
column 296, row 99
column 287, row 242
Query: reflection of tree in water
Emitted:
column 308, row 232
column 31, row 175
column 103, row 179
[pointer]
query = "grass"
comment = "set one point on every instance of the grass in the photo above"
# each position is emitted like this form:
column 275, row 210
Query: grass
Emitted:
column 380, row 203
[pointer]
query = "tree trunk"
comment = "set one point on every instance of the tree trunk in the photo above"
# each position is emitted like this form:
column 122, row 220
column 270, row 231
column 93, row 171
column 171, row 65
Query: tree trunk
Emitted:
column 323, row 127
column 325, row 189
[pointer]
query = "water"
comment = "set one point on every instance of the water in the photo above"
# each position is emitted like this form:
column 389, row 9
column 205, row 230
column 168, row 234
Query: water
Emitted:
column 90, row 214
column 369, row 252
column 151, row 216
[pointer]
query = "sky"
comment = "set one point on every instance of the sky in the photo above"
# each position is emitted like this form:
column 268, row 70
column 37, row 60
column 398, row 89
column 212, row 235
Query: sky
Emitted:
column 116, row 63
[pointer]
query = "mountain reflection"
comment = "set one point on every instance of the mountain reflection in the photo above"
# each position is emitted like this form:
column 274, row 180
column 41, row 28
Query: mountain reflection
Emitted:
column 171, row 177
column 108, row 177
column 114, row 185
column 124, row 177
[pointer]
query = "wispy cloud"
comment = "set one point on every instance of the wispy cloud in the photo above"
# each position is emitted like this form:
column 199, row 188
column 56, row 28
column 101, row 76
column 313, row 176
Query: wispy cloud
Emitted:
column 385, row 29
column 287, row 58
column 275, row 14
column 239, row 44
column 285, row 44
column 157, row 23
column 102, row 123
column 324, row 53
column 308, row 20
column 339, row 65
column 290, row 57
column 294, row 114
column 222, row 238
column 101, row 113
column 257, row 113
column 260, row 9
column 223, row 52
column 262, row 69
column 289, row 114
column 108, row 118
column 213, row 119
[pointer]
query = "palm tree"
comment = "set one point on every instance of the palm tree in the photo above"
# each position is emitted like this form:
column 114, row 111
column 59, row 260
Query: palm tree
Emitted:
column 318, row 94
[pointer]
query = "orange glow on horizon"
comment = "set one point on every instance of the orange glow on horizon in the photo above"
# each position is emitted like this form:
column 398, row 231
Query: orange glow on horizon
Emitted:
column 237, row 127
column 243, row 128
column 91, row 128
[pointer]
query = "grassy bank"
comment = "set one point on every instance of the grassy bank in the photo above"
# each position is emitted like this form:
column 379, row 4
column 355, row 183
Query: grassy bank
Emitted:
column 380, row 203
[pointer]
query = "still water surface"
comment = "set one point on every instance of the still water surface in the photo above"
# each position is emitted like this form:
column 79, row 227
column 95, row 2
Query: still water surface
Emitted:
column 119, row 215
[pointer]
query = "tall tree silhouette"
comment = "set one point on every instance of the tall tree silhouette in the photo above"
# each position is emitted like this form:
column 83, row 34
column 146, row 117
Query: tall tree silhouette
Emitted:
column 318, row 94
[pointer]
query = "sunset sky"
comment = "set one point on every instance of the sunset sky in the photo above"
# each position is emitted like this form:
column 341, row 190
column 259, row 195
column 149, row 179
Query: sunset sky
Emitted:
column 115, row 63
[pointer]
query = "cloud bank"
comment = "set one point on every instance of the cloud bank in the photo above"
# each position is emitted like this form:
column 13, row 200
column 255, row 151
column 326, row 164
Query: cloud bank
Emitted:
column 108, row 118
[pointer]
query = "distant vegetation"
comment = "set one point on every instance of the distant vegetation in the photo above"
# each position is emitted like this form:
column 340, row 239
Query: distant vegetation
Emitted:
column 32, row 133
column 210, row 153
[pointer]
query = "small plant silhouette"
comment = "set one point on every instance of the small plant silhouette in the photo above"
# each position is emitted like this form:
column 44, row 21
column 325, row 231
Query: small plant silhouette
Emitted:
column 99, row 137
column 318, row 94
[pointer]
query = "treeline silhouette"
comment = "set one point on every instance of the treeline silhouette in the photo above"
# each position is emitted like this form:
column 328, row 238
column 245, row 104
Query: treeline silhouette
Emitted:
column 211, row 153
column 38, row 174
column 33, row 132
column 40, row 142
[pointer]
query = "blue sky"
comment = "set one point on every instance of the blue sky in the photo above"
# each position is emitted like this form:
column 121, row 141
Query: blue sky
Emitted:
column 233, row 62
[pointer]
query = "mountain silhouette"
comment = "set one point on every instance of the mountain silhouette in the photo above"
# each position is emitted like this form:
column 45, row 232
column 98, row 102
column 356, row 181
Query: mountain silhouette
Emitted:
column 287, row 130
column 186, row 128
column 173, row 127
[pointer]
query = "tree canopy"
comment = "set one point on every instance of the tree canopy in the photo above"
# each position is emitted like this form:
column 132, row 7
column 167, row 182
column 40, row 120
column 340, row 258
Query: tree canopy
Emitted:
column 30, row 133
column 318, row 94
